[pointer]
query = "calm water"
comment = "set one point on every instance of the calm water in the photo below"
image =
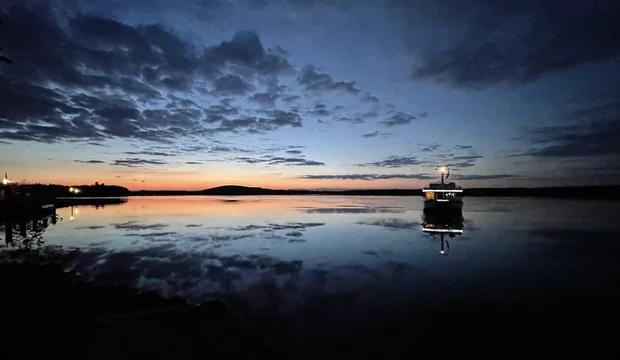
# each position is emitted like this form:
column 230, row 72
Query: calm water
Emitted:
column 333, row 257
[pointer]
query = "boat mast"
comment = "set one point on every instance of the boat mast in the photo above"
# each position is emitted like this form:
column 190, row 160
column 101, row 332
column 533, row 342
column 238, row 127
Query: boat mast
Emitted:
column 442, row 169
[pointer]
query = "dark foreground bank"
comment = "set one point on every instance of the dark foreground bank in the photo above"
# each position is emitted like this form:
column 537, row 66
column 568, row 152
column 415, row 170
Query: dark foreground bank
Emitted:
column 48, row 313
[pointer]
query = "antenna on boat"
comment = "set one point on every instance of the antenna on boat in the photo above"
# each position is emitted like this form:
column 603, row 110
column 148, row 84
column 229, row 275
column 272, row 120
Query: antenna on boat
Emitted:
column 443, row 171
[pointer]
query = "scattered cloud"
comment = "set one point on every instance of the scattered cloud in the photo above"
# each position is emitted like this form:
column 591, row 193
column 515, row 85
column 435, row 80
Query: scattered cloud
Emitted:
column 313, row 80
column 90, row 161
column 276, row 227
column 483, row 177
column 432, row 147
column 134, row 226
column 367, row 177
column 392, row 224
column 377, row 133
column 354, row 210
column 398, row 119
column 395, row 162
column 368, row 97
column 150, row 153
column 135, row 162
column 265, row 99
column 278, row 160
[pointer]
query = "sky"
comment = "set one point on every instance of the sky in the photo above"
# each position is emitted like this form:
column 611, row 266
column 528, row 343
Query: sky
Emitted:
column 312, row 94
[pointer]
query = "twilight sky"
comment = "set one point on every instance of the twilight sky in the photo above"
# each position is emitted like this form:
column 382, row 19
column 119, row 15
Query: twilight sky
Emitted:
column 191, row 94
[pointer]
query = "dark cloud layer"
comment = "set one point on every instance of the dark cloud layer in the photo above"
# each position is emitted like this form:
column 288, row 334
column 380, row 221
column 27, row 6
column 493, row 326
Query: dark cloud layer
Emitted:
column 590, row 133
column 86, row 77
column 520, row 41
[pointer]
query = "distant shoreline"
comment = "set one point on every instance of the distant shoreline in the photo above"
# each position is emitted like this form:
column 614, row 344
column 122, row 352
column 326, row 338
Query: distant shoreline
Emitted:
column 47, row 194
column 582, row 192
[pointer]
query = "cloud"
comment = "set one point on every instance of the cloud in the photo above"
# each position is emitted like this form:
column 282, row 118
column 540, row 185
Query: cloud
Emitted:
column 320, row 109
column 392, row 224
column 294, row 152
column 316, row 81
column 277, row 160
column 87, row 77
column 231, row 85
column 264, row 99
column 246, row 49
column 367, row 177
column 276, row 227
column 134, row 226
column 483, row 177
column 431, row 147
column 519, row 42
column 135, row 162
column 590, row 132
column 354, row 210
column 193, row 163
column 368, row 97
column 395, row 162
column 90, row 161
column 274, row 120
column 462, row 147
column 372, row 134
column 397, row 119
column 150, row 153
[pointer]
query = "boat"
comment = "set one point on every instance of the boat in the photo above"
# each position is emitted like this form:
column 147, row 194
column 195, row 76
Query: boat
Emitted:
column 443, row 225
column 443, row 197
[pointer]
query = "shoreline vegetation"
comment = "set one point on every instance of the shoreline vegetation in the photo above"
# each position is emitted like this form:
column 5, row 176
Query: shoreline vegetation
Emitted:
column 60, row 195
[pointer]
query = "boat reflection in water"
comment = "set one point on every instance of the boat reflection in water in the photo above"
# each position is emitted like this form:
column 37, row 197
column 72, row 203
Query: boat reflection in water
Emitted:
column 443, row 226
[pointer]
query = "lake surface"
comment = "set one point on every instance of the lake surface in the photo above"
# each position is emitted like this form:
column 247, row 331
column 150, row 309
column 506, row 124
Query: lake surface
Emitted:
column 325, row 260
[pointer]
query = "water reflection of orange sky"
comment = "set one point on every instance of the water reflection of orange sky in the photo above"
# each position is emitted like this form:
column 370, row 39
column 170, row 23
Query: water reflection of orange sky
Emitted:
column 199, row 205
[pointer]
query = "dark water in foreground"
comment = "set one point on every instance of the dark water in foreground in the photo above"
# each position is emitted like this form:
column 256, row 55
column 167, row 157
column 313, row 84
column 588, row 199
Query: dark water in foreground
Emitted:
column 331, row 263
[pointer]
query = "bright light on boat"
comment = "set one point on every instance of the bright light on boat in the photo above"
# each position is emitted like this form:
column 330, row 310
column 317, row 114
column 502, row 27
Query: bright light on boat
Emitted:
column 440, row 190
column 454, row 231
column 5, row 181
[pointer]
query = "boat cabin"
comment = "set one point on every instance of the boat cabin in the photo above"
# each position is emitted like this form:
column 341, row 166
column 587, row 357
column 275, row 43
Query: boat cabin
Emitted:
column 445, row 192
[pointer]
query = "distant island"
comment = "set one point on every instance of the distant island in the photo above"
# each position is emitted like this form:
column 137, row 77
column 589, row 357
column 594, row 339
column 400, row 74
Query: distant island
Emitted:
column 40, row 191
